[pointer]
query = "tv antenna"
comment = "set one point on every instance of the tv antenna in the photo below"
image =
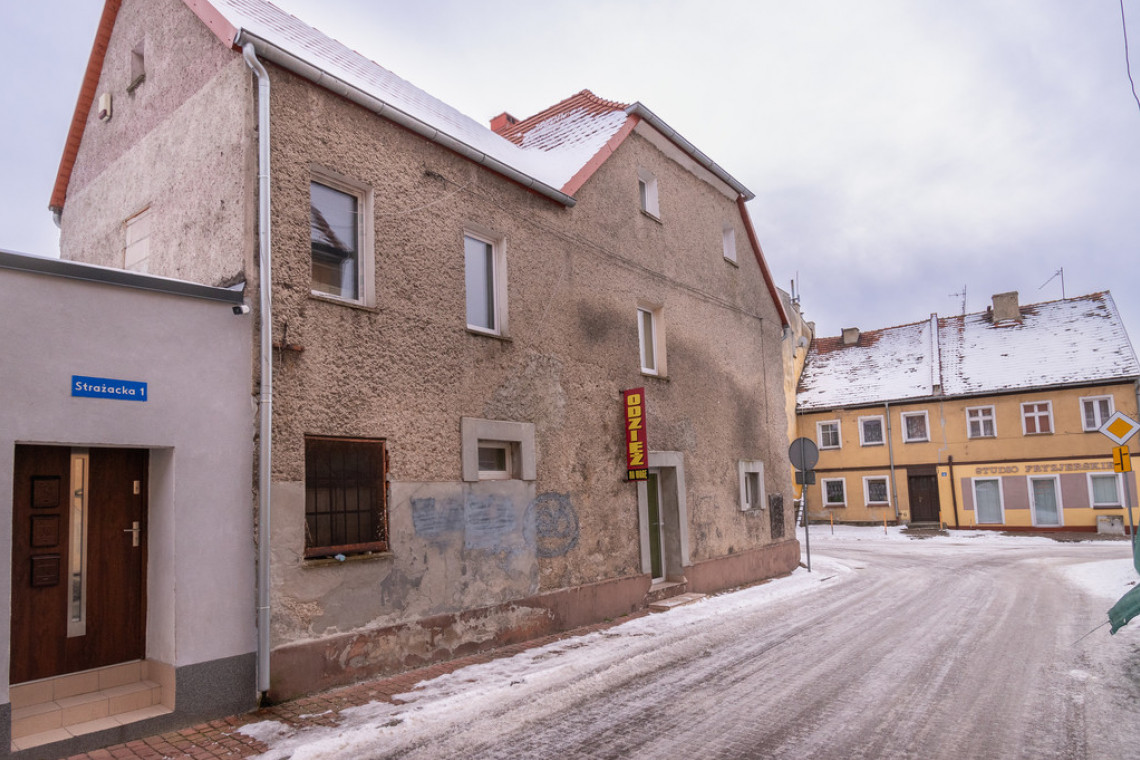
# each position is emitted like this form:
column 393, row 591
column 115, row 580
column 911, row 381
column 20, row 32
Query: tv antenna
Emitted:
column 1059, row 273
column 963, row 295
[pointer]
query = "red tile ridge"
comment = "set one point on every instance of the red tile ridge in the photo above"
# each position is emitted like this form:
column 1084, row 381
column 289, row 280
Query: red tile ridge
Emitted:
column 583, row 99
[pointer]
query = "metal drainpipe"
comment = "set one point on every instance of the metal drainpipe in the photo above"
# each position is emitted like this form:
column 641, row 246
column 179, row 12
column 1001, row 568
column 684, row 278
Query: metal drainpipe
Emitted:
column 249, row 53
column 891, row 454
column 953, row 491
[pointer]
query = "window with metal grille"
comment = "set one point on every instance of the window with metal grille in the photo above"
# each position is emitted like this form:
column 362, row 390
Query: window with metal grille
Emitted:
column 345, row 496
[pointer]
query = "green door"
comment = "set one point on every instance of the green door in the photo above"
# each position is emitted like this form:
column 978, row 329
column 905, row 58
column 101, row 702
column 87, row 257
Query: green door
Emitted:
column 656, row 528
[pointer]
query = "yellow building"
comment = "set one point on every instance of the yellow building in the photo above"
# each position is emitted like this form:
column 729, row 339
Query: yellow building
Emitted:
column 988, row 420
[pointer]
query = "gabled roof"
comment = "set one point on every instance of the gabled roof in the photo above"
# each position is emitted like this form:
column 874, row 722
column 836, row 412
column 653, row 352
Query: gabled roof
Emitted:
column 553, row 153
column 1071, row 342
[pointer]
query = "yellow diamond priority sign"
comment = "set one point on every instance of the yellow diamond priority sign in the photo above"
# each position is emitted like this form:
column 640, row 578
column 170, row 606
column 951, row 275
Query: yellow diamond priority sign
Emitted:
column 1120, row 427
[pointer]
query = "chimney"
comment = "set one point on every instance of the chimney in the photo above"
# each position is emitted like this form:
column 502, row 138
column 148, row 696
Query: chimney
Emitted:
column 502, row 121
column 1006, row 308
column 850, row 336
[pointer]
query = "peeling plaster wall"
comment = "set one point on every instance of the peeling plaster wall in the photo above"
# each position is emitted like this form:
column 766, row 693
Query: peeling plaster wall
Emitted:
column 407, row 369
column 181, row 144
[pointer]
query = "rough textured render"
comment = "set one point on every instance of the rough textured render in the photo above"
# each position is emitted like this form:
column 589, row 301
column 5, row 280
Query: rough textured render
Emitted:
column 1068, row 342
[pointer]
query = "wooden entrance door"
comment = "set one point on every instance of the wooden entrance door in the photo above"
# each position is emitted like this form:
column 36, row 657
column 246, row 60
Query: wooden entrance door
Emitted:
column 923, row 494
column 78, row 559
column 656, row 528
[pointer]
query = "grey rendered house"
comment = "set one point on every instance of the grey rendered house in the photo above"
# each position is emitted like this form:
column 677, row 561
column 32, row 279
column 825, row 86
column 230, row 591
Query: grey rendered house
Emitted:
column 458, row 315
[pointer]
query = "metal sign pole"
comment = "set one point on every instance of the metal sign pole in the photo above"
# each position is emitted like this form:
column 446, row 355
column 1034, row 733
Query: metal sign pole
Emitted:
column 807, row 535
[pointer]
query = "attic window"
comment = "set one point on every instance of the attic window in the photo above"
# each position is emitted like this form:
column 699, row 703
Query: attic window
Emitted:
column 138, row 67
column 647, row 193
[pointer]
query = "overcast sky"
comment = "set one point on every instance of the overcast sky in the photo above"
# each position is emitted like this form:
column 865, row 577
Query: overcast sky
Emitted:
column 899, row 150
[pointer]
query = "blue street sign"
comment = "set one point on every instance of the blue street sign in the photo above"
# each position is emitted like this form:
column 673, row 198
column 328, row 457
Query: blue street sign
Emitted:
column 105, row 387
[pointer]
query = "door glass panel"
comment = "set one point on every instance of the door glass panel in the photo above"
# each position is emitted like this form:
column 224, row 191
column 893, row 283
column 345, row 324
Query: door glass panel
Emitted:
column 655, row 543
column 988, row 498
column 77, row 554
column 1045, row 502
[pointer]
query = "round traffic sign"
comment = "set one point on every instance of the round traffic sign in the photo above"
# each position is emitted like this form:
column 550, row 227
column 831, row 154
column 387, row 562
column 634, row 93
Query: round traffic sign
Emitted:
column 804, row 453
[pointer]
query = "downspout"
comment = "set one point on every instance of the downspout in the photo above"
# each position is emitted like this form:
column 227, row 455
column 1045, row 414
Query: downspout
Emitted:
column 953, row 491
column 891, row 455
column 265, row 403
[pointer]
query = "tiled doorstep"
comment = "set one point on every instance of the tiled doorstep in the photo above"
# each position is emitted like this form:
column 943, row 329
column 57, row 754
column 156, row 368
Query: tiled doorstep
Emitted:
column 35, row 725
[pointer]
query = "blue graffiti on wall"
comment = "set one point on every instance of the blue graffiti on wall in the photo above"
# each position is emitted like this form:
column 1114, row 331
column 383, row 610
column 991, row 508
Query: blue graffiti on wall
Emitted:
column 555, row 524
column 435, row 519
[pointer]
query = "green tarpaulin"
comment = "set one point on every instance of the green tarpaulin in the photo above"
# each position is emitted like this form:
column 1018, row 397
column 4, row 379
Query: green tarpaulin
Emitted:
column 1128, row 605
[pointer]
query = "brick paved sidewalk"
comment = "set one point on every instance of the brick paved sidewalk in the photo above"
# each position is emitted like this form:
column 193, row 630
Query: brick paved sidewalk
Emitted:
column 220, row 739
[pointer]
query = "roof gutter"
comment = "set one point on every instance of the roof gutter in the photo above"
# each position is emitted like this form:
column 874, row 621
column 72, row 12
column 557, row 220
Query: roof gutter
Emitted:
column 286, row 60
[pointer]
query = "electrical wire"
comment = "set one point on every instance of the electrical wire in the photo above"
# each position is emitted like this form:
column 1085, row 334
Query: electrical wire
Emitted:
column 1127, row 63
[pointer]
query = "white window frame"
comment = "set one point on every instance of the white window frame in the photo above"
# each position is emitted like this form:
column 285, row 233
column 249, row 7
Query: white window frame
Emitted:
column 475, row 432
column 925, row 424
column 758, row 500
column 882, row 430
column 728, row 243
column 1099, row 419
column 823, row 490
column 867, row 490
column 1048, row 414
column 137, row 232
column 1119, row 504
column 655, row 339
column 982, row 419
column 510, row 458
column 1001, row 499
column 1056, row 491
column 838, row 434
column 365, row 255
column 647, row 193
column 498, row 289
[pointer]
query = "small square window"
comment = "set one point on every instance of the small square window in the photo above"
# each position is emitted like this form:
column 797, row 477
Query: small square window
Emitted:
column 651, row 340
column 834, row 492
column 875, row 491
column 497, row 460
column 1095, row 411
column 1037, row 418
column 728, row 243
column 339, row 241
column 980, row 422
column 914, row 427
column 1104, row 491
column 751, row 474
column 827, row 434
column 345, row 496
column 486, row 272
column 871, row 431
column 647, row 193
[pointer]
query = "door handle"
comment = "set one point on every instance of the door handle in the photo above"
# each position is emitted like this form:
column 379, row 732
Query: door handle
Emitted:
column 134, row 531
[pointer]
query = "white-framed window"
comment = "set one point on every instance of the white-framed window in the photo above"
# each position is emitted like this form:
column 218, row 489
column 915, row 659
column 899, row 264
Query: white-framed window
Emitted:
column 989, row 507
column 876, row 491
column 497, row 450
column 1095, row 411
column 1037, row 417
column 871, row 431
column 915, row 427
column 828, row 435
column 980, row 422
column 340, row 236
column 138, row 66
column 647, row 193
column 1104, row 490
column 834, row 492
column 485, row 271
column 651, row 340
column 497, row 460
column 136, row 247
column 751, row 472
column 728, row 242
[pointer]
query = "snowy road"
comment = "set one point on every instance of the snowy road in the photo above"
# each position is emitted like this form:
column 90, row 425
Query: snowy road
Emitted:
column 961, row 647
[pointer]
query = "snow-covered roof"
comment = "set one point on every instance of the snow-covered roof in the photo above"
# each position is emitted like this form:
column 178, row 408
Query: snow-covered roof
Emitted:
column 1074, row 341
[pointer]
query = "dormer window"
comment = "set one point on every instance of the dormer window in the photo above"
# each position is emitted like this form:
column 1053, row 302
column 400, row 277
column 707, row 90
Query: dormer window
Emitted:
column 647, row 190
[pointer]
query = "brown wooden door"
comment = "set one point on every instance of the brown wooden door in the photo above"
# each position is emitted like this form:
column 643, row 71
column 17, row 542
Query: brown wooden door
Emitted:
column 923, row 493
column 78, row 564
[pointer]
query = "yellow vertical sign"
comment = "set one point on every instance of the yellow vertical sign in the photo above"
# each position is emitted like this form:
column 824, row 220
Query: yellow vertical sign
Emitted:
column 1121, row 459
